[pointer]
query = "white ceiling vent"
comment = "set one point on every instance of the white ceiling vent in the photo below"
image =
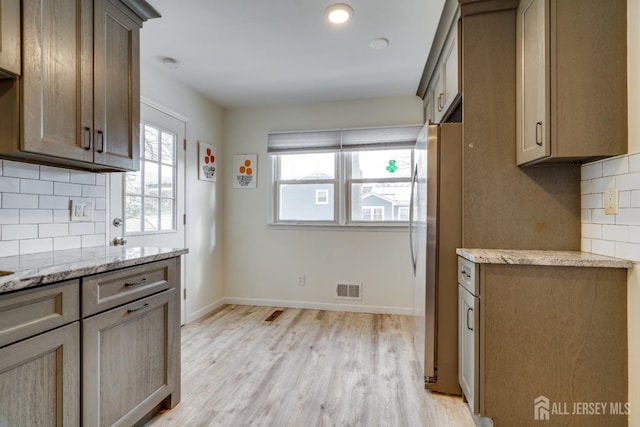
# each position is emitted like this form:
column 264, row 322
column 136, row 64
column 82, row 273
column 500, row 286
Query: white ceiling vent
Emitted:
column 352, row 291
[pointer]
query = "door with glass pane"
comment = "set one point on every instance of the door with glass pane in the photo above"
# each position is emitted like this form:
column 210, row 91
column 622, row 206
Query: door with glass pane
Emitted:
column 147, row 207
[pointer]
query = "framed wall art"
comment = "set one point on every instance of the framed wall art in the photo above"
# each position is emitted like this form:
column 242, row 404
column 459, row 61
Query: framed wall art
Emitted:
column 207, row 162
column 245, row 171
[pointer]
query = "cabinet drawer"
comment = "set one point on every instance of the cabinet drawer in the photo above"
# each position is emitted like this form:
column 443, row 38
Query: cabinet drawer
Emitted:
column 27, row 313
column 111, row 289
column 467, row 275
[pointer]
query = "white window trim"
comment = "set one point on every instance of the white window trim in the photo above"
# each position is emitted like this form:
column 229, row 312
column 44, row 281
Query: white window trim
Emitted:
column 373, row 209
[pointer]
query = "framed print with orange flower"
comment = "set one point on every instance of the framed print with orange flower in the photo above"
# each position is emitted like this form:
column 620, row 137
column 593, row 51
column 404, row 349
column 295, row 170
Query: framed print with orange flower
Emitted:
column 245, row 170
column 206, row 162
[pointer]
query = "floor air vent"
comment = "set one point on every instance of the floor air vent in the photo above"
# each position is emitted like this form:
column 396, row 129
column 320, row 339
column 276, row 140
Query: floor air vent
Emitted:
column 349, row 291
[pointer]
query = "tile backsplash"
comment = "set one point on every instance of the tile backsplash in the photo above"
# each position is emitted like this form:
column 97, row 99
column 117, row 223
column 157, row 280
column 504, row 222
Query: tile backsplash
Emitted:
column 612, row 235
column 35, row 208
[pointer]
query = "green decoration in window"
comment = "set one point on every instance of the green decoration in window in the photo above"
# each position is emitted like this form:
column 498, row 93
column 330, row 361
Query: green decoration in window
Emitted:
column 392, row 166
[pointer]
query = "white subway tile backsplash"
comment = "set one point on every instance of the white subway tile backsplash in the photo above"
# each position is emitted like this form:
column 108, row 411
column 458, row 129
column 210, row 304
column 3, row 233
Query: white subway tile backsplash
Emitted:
column 64, row 243
column 620, row 238
column 94, row 240
column 592, row 231
column 9, row 216
column 592, row 201
column 630, row 216
column 35, row 208
column 80, row 228
column 61, row 216
column 20, row 170
column 32, row 186
column 629, row 181
column 54, row 174
column 592, row 170
column 603, row 247
column 599, row 185
column 35, row 245
column 66, row 189
column 36, row 216
column 19, row 232
column 54, row 202
column 628, row 251
column 9, row 185
column 53, row 230
column 93, row 191
column 634, row 163
column 82, row 177
column 616, row 166
column 624, row 199
column 599, row 217
column 618, row 233
column 9, row 248
column 19, row 201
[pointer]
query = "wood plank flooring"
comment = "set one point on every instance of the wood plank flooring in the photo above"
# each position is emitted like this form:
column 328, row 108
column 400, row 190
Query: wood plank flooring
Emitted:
column 305, row 368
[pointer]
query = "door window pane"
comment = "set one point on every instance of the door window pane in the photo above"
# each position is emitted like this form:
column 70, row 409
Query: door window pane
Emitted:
column 150, row 199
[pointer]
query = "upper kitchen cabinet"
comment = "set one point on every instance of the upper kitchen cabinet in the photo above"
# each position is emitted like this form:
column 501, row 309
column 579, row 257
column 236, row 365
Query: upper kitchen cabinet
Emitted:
column 9, row 38
column 440, row 82
column 571, row 78
column 77, row 103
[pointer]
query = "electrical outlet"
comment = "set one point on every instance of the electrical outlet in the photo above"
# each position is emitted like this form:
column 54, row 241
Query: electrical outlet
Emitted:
column 611, row 201
column 301, row 280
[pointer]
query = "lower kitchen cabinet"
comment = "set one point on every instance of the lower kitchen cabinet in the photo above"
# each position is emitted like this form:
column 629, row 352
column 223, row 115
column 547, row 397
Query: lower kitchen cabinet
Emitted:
column 130, row 360
column 42, row 377
column 547, row 337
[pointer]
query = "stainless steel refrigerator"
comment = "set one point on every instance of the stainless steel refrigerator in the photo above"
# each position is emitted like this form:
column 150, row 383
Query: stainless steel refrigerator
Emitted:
column 435, row 230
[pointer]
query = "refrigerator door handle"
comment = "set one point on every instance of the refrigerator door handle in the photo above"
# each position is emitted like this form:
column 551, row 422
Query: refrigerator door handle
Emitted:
column 411, row 213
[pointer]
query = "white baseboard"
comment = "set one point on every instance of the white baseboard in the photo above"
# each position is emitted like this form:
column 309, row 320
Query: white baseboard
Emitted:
column 207, row 309
column 320, row 306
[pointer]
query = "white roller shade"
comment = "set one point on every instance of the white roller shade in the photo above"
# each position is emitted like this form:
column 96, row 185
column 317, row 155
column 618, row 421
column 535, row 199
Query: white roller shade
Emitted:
column 342, row 139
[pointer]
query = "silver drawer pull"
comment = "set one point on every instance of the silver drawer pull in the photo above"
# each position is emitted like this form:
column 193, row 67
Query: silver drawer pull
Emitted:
column 133, row 310
column 469, row 310
column 139, row 282
column 464, row 273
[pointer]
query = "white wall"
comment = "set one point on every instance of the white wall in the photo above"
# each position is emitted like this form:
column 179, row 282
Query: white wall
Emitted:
column 204, row 199
column 619, row 235
column 262, row 263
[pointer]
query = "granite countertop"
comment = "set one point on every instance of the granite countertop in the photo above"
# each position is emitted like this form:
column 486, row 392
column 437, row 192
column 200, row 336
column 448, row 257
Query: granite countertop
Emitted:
column 548, row 258
column 27, row 271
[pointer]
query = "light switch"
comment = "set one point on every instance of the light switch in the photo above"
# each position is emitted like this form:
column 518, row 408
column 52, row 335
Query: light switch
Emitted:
column 611, row 201
column 81, row 210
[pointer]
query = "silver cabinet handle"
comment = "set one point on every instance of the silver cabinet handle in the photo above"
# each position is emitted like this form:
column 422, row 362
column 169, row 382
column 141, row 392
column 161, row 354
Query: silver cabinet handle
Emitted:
column 469, row 310
column 139, row 282
column 133, row 310
column 99, row 141
column 86, row 138
column 539, row 133
column 440, row 103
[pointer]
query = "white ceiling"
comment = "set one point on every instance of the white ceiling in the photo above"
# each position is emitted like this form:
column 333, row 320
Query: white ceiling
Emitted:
column 267, row 52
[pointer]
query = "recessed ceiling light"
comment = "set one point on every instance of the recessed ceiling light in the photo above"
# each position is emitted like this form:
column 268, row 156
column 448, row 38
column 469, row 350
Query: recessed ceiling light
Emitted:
column 339, row 13
column 170, row 63
column 379, row 43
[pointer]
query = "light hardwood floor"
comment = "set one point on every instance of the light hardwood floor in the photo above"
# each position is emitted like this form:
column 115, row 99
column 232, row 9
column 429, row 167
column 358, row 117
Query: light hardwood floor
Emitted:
column 306, row 368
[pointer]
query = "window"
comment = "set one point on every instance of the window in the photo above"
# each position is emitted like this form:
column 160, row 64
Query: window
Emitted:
column 150, row 199
column 348, row 177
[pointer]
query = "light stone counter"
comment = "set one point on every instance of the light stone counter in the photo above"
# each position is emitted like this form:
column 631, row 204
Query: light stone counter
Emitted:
column 548, row 258
column 27, row 271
